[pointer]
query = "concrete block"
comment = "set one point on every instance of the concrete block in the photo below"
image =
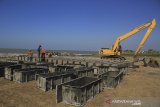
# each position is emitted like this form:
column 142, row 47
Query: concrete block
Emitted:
column 78, row 91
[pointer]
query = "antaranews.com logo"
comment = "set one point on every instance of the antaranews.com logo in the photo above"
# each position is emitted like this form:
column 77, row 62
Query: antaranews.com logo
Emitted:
column 132, row 102
column 125, row 101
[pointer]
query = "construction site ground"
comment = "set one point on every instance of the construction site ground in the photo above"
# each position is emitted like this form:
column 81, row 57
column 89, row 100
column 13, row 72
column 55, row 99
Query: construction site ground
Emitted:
column 138, row 82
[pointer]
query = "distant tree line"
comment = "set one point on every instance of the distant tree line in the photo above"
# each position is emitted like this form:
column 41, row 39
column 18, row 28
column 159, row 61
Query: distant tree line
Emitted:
column 149, row 52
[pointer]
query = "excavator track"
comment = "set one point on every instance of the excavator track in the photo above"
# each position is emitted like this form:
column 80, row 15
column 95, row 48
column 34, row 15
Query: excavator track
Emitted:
column 114, row 58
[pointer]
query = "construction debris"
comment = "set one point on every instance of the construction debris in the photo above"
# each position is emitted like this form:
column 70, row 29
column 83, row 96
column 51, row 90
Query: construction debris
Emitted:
column 153, row 63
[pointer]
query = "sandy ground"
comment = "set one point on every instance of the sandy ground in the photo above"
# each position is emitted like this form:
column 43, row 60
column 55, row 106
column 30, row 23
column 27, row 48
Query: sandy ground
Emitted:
column 139, row 82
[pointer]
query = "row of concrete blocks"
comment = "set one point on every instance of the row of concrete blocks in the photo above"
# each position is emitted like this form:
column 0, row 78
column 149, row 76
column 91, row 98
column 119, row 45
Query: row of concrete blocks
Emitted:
column 23, row 72
column 107, row 72
column 100, row 69
column 49, row 81
column 20, row 73
column 100, row 66
column 63, row 61
column 25, row 75
column 88, row 86
column 78, row 91
column 109, row 75
column 72, row 87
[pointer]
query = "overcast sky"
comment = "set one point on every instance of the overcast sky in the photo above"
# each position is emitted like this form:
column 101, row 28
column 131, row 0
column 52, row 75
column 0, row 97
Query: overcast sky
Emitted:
column 76, row 24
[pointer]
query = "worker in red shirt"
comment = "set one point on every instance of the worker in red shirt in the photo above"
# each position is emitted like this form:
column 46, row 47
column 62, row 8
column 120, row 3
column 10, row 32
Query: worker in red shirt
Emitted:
column 43, row 54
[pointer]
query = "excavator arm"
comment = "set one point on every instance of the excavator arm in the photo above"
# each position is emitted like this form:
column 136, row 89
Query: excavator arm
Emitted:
column 151, row 25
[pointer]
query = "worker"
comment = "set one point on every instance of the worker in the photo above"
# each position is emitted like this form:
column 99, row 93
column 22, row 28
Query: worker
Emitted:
column 49, row 55
column 43, row 53
column 30, row 56
column 39, row 52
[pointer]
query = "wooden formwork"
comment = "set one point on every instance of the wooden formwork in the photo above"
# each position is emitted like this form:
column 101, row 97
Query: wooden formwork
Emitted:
column 78, row 91
column 25, row 75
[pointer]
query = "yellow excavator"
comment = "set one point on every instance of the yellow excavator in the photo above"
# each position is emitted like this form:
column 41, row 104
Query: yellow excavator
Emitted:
column 115, row 51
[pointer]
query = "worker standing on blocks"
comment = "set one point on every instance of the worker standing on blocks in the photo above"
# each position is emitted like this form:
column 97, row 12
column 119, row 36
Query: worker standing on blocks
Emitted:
column 43, row 53
column 39, row 52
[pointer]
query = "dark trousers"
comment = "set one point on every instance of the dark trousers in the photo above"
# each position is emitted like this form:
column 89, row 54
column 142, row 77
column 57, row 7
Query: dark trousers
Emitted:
column 39, row 55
